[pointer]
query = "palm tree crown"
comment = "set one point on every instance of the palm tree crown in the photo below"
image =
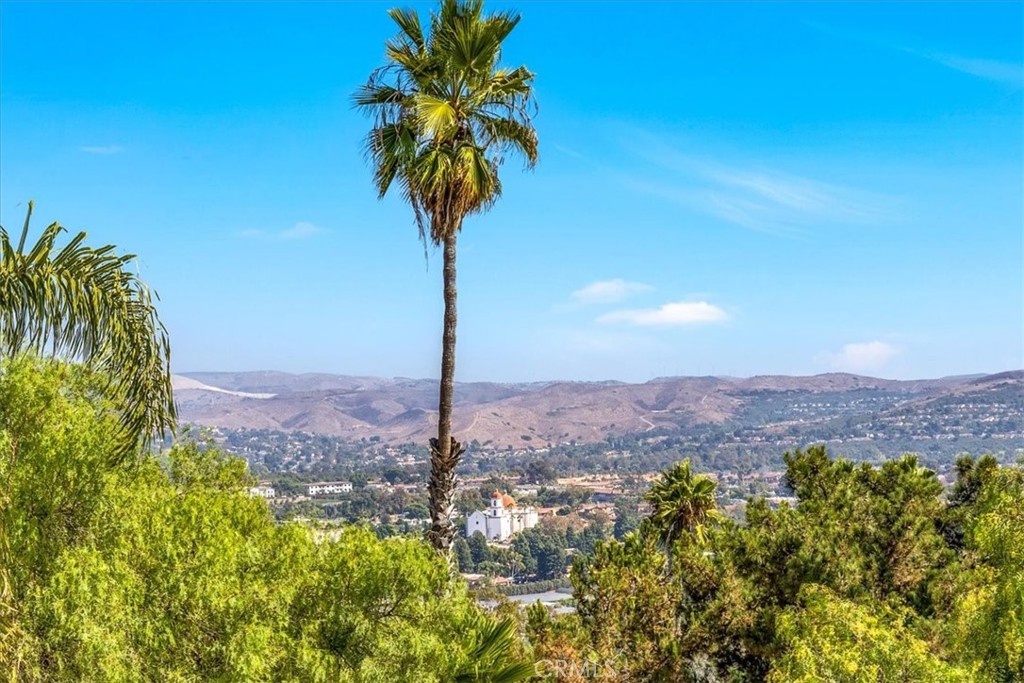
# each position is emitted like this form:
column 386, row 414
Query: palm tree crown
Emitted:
column 683, row 503
column 446, row 114
column 84, row 303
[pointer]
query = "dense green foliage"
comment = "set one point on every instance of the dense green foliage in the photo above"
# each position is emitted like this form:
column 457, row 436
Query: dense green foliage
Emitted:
column 165, row 569
column 871, row 576
column 148, row 570
column 88, row 303
column 847, row 642
column 984, row 593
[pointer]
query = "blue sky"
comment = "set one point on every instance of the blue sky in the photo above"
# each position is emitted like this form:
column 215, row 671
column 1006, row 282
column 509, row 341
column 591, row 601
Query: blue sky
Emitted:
column 731, row 189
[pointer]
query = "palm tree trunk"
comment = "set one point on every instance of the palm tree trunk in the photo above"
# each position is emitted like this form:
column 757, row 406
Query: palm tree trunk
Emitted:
column 445, row 451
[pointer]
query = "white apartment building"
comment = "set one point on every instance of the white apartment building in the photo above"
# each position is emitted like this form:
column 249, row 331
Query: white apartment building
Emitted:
column 324, row 488
column 262, row 491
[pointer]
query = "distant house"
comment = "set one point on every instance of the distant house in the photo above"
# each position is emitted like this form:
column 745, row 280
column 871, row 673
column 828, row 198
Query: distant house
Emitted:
column 325, row 488
column 502, row 519
column 473, row 579
column 262, row 491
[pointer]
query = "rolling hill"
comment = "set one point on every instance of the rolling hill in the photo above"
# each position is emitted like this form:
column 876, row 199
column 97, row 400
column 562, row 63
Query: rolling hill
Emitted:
column 402, row 410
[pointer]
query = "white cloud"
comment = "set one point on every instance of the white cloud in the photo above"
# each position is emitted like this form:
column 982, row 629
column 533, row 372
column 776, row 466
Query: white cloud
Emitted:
column 101, row 149
column 764, row 200
column 670, row 314
column 862, row 356
column 608, row 291
column 300, row 231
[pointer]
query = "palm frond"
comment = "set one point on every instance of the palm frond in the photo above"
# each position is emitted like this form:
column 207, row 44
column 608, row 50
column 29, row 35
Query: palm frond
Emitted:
column 492, row 658
column 471, row 47
column 509, row 134
column 391, row 148
column 372, row 94
column 505, row 88
column 436, row 117
column 479, row 174
column 409, row 22
column 85, row 304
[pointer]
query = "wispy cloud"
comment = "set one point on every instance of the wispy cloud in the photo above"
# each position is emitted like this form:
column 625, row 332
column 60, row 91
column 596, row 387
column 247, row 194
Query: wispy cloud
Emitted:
column 568, row 151
column 1006, row 73
column 756, row 198
column 668, row 315
column 300, row 231
column 995, row 70
column 608, row 291
column 862, row 356
column 101, row 149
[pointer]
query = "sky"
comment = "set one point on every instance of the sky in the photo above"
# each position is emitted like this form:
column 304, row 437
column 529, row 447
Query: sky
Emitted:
column 723, row 189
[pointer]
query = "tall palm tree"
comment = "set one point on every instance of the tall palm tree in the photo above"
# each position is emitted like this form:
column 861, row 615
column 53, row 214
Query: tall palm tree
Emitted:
column 445, row 115
column 683, row 504
column 85, row 304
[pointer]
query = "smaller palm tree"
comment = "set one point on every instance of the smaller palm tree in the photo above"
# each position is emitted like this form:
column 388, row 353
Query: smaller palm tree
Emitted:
column 85, row 304
column 684, row 505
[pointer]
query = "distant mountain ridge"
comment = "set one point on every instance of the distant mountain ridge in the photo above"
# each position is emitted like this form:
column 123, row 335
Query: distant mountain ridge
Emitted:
column 399, row 410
